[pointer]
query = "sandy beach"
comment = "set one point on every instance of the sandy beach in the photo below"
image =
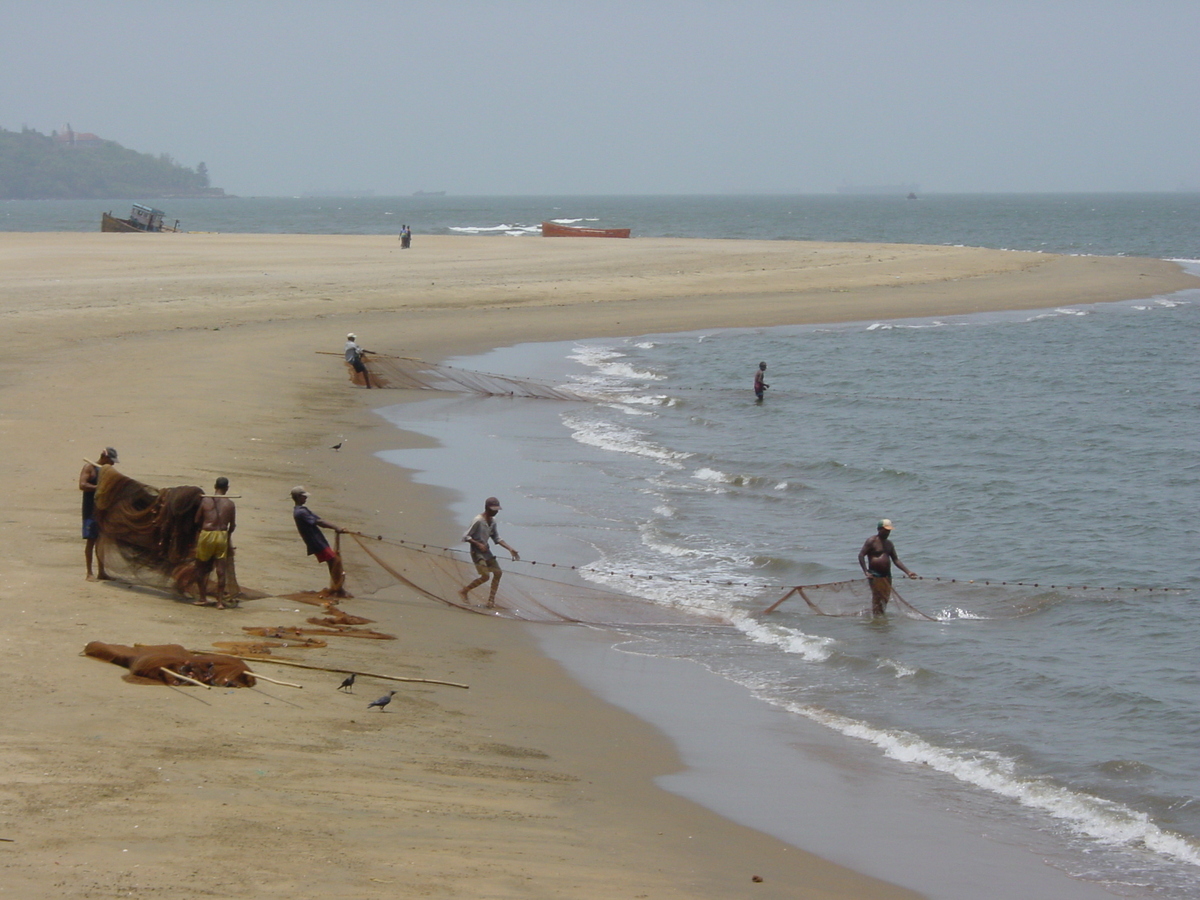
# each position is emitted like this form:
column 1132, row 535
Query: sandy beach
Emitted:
column 198, row 355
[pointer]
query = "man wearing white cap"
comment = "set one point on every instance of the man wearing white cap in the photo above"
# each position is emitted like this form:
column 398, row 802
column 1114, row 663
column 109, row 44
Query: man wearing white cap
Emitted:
column 875, row 559
column 482, row 530
column 354, row 356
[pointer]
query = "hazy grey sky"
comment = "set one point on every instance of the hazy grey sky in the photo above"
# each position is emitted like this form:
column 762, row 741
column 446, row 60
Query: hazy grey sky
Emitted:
column 617, row 97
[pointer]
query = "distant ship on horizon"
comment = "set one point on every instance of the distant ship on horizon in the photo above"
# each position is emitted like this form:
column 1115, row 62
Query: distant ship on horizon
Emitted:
column 429, row 193
column 891, row 189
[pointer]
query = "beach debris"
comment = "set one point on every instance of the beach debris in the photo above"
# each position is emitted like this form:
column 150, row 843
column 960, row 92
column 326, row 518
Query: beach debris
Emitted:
column 757, row 879
column 172, row 664
column 280, row 632
column 338, row 618
column 347, row 684
column 382, row 702
column 263, row 648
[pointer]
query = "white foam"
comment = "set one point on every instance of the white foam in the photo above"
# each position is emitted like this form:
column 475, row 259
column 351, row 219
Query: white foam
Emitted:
column 608, row 436
column 1102, row 820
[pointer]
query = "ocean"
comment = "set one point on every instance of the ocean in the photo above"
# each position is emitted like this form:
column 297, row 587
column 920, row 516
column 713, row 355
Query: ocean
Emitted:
column 1038, row 466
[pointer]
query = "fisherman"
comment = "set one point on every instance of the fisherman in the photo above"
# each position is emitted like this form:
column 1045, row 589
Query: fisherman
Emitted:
column 89, row 479
column 759, row 385
column 217, row 516
column 875, row 559
column 482, row 530
column 309, row 524
column 354, row 356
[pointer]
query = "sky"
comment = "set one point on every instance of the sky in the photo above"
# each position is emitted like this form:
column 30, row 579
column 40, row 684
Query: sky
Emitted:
column 557, row 98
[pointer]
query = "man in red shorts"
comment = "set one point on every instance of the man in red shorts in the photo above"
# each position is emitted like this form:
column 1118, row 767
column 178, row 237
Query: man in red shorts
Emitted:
column 309, row 524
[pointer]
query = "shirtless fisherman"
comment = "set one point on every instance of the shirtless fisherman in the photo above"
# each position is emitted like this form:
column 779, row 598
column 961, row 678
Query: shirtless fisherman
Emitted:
column 217, row 516
column 760, row 385
column 89, row 478
column 482, row 530
column 875, row 559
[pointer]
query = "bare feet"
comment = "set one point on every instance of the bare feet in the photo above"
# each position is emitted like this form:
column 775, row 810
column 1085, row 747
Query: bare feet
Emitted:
column 462, row 593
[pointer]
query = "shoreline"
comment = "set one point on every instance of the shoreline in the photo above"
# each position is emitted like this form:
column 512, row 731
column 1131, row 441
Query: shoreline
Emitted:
column 501, row 789
column 780, row 774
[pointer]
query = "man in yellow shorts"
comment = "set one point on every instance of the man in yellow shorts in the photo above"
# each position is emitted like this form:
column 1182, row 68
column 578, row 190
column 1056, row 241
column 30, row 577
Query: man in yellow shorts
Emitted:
column 217, row 516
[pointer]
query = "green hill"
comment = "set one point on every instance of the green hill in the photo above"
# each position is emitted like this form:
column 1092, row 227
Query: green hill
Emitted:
column 73, row 166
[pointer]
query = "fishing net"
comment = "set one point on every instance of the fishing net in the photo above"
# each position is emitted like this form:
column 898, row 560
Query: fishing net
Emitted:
column 148, row 535
column 416, row 374
column 943, row 599
column 161, row 663
column 556, row 595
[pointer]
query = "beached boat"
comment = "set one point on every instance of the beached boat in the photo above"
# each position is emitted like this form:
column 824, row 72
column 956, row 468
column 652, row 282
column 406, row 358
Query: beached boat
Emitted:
column 141, row 218
column 553, row 229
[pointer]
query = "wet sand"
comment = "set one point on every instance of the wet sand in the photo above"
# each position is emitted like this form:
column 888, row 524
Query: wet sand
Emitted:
column 196, row 356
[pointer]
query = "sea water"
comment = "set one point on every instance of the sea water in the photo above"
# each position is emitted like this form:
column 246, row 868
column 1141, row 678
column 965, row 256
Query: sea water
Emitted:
column 1054, row 447
column 1157, row 225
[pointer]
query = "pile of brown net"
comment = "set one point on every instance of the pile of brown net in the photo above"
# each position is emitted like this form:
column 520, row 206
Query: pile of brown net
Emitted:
column 416, row 374
column 148, row 535
column 161, row 663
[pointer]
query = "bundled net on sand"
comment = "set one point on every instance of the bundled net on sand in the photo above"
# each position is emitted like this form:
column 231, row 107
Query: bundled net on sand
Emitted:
column 417, row 374
column 172, row 664
column 148, row 535
column 557, row 596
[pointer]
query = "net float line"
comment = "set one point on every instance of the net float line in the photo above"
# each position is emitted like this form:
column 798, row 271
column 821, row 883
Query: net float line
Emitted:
column 674, row 579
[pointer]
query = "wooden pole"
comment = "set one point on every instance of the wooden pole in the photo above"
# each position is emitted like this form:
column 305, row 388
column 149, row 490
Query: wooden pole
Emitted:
column 274, row 680
column 184, row 677
column 774, row 606
column 299, row 665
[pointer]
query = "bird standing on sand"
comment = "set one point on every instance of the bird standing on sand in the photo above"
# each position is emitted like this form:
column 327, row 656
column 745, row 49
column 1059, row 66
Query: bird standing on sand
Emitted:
column 382, row 701
column 348, row 683
column 338, row 445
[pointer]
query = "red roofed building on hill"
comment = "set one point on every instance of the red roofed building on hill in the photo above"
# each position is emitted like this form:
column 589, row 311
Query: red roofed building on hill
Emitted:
column 71, row 138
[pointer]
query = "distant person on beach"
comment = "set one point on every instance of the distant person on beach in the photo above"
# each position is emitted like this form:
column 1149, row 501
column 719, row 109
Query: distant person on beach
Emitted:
column 217, row 516
column 759, row 384
column 405, row 237
column 89, row 478
column 482, row 530
column 354, row 356
column 309, row 524
column 875, row 559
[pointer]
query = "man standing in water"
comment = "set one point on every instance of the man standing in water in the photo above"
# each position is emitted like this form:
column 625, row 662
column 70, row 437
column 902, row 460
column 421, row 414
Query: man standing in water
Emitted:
column 217, row 516
column 354, row 356
column 483, row 529
column 309, row 524
column 89, row 479
column 875, row 559
column 759, row 385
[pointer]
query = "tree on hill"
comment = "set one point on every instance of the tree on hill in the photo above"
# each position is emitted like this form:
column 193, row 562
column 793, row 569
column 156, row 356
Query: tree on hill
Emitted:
column 34, row 166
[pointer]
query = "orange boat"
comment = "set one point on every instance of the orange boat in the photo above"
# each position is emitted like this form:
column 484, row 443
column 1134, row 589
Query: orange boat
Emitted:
column 553, row 229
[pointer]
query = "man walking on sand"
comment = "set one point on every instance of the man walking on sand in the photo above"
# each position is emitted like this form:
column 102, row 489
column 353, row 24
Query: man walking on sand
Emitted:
column 217, row 516
column 309, row 524
column 354, row 356
column 89, row 478
column 875, row 559
column 482, row 530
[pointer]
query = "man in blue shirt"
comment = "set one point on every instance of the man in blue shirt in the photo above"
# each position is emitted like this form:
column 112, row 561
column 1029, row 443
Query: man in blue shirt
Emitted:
column 309, row 524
